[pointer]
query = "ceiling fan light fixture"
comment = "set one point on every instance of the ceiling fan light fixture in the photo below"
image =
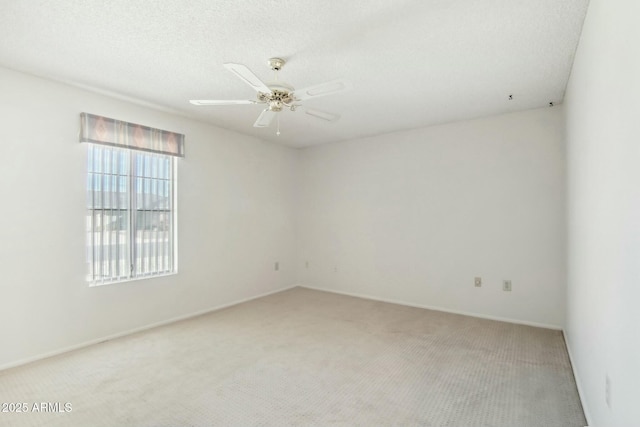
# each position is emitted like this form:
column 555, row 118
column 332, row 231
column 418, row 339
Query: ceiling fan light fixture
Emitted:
column 276, row 105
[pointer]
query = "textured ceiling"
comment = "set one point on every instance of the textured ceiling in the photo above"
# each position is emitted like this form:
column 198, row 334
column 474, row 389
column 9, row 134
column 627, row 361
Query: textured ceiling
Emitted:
column 411, row 63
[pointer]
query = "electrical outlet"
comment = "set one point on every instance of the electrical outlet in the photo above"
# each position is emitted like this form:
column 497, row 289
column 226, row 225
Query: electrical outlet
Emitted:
column 607, row 391
column 478, row 282
column 506, row 285
column 277, row 266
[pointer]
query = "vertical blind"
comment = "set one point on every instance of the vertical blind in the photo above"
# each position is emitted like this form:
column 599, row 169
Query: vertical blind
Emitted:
column 130, row 208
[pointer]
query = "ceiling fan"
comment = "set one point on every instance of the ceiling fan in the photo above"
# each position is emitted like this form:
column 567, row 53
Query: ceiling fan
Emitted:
column 278, row 95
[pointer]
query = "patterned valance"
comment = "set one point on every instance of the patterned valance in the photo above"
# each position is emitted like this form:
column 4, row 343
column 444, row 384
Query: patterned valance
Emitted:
column 106, row 131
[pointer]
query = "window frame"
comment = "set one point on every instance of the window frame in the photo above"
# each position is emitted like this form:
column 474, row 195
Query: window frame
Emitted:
column 135, row 177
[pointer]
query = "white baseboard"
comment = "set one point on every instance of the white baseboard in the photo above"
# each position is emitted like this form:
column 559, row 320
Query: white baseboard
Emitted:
column 135, row 330
column 581, row 394
column 446, row 310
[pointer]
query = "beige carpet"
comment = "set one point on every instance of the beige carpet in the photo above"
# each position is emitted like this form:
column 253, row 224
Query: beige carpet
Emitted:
column 304, row 357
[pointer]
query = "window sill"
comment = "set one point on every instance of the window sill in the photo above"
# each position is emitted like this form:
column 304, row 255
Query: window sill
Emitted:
column 129, row 280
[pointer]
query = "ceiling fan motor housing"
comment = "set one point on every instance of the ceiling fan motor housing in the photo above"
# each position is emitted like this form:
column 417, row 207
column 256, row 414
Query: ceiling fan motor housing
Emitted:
column 281, row 96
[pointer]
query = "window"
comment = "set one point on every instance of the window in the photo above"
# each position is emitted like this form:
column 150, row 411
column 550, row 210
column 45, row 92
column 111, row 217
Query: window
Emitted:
column 130, row 214
column 131, row 203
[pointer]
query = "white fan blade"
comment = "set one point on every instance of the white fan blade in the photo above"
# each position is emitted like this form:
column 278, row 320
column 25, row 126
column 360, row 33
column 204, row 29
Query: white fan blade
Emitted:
column 322, row 89
column 330, row 117
column 264, row 119
column 221, row 102
column 247, row 76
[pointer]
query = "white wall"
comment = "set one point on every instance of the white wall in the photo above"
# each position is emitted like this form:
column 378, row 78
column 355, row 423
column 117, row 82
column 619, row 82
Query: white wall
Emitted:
column 234, row 219
column 415, row 216
column 603, row 134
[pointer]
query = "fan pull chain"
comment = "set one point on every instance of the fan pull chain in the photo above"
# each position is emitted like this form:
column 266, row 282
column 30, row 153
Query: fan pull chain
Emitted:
column 278, row 119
